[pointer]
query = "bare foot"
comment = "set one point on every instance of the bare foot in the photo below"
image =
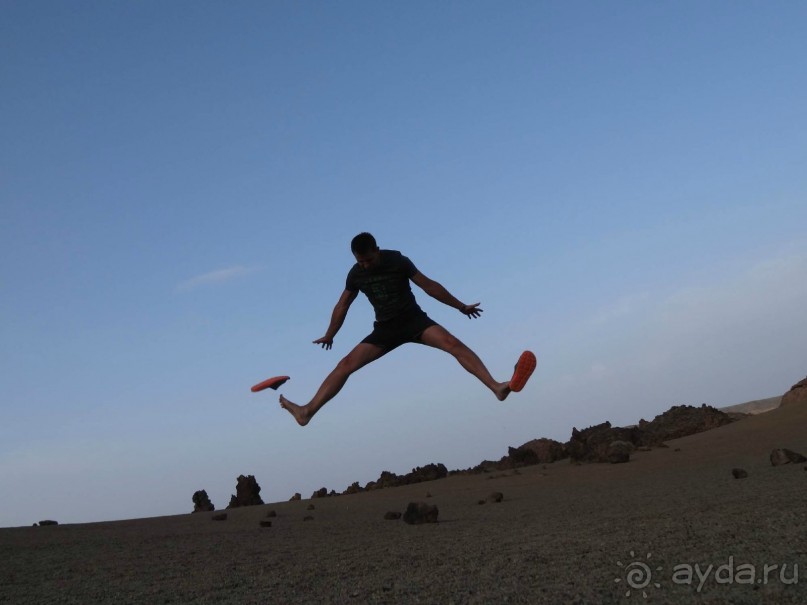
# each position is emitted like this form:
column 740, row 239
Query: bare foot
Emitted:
column 502, row 391
column 299, row 412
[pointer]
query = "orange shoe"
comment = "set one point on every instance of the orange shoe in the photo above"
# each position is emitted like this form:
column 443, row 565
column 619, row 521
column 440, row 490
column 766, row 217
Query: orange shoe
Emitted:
column 524, row 369
column 270, row 383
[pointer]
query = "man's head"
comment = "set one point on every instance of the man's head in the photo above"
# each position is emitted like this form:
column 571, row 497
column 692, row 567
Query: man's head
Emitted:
column 365, row 250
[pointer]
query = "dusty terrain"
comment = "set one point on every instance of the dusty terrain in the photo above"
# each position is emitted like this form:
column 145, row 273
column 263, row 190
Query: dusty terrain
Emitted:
column 564, row 533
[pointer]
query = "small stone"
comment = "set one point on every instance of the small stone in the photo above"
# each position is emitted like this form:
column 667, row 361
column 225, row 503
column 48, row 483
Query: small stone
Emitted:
column 786, row 456
column 392, row 516
column 219, row 517
column 271, row 514
column 481, row 502
column 739, row 473
column 266, row 524
column 420, row 512
column 428, row 494
column 495, row 497
column 310, row 507
column 308, row 518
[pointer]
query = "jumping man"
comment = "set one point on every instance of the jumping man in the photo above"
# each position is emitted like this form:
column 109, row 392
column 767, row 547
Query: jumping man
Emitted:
column 383, row 276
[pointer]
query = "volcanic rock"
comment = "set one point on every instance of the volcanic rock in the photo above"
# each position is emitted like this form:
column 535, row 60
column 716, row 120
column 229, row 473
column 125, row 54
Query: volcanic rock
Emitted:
column 201, row 502
column 796, row 395
column 247, row 492
column 392, row 516
column 48, row 522
column 354, row 488
column 546, row 450
column 591, row 444
column 786, row 456
column 266, row 524
column 739, row 473
column 680, row 421
column 296, row 496
column 420, row 512
column 430, row 472
column 495, row 497
column 619, row 452
column 320, row 493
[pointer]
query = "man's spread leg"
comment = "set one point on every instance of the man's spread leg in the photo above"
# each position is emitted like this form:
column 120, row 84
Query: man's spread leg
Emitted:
column 360, row 356
column 437, row 336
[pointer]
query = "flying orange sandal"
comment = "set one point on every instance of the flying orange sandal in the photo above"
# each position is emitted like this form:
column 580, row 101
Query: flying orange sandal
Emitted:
column 524, row 369
column 270, row 383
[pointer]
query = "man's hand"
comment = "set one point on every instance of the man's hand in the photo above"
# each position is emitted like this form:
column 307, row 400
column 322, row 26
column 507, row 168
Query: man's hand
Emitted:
column 326, row 342
column 471, row 310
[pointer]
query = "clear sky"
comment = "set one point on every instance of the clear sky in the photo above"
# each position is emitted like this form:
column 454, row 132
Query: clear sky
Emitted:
column 622, row 185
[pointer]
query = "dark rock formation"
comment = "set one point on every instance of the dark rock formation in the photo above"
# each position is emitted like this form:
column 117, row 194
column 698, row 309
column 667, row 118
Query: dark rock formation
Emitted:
column 591, row 444
column 320, row 493
column 537, row 451
column 296, row 497
column 545, row 450
column 430, row 472
column 786, row 456
column 680, row 421
column 354, row 488
column 619, row 452
column 797, row 395
column 47, row 522
column 247, row 492
column 420, row 512
column 739, row 473
column 201, row 503
column 266, row 524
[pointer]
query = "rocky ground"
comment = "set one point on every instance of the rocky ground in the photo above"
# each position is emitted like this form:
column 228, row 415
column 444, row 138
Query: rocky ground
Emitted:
column 673, row 524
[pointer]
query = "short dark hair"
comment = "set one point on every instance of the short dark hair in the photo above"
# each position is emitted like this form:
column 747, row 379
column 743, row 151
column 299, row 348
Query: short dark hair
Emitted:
column 363, row 243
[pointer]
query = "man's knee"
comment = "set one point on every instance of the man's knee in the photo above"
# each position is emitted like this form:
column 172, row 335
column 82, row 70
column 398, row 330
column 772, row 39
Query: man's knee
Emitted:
column 357, row 359
column 348, row 364
column 449, row 343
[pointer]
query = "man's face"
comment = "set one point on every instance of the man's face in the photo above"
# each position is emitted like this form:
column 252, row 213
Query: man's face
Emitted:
column 369, row 260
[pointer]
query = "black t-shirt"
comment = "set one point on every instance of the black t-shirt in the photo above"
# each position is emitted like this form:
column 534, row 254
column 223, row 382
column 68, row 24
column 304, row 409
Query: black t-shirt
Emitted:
column 387, row 285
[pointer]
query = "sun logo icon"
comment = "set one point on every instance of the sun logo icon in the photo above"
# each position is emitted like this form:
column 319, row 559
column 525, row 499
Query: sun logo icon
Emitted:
column 638, row 575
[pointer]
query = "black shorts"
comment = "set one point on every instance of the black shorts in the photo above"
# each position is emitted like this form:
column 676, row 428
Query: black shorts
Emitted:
column 395, row 332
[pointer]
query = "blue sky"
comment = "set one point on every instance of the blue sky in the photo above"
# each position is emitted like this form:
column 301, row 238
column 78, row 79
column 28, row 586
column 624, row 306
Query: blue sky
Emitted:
column 621, row 185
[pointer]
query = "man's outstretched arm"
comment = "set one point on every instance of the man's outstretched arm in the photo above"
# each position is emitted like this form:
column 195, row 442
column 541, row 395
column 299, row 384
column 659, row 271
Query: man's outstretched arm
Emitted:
column 337, row 318
column 438, row 292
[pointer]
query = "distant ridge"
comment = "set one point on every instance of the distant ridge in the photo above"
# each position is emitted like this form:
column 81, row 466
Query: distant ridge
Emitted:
column 758, row 406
